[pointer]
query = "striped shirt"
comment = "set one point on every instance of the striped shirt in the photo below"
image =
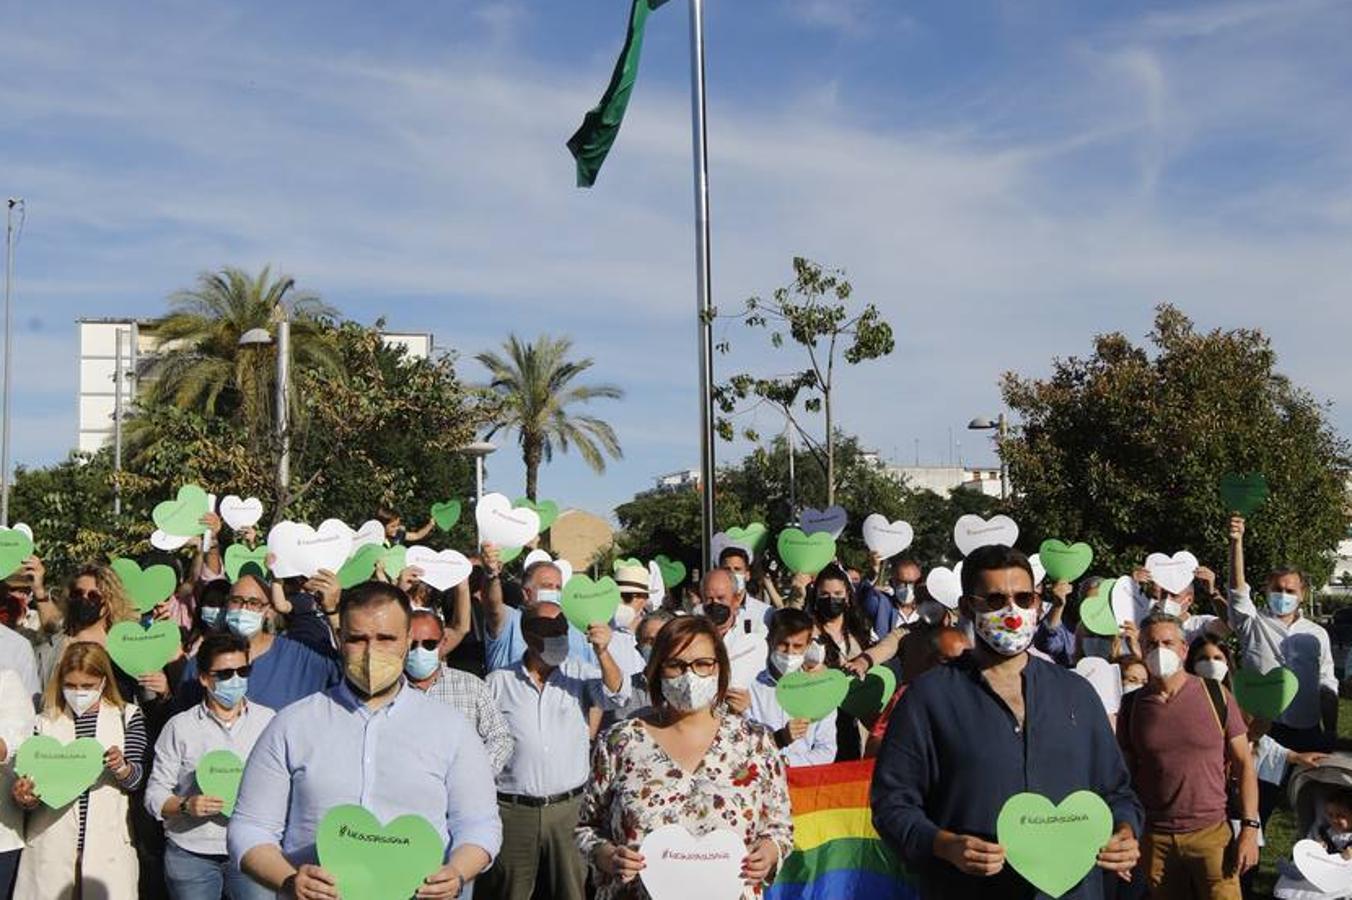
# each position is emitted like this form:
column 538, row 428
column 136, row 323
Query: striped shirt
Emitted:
column 133, row 750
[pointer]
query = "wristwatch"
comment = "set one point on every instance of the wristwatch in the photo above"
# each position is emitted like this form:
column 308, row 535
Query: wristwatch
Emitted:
column 1251, row 823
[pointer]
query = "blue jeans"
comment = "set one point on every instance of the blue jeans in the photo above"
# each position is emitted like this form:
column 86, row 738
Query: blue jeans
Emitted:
column 194, row 877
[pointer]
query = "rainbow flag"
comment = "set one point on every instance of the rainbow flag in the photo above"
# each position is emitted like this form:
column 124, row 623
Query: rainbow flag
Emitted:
column 836, row 851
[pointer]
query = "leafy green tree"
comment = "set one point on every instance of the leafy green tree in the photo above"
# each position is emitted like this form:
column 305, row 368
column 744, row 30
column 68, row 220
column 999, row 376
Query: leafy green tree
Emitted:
column 815, row 312
column 1125, row 449
column 536, row 383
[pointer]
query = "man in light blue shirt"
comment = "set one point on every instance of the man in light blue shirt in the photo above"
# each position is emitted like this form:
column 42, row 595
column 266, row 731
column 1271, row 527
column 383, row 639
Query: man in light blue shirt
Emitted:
column 370, row 741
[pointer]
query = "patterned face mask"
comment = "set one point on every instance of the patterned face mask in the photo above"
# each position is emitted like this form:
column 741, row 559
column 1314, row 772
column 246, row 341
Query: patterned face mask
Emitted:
column 1008, row 631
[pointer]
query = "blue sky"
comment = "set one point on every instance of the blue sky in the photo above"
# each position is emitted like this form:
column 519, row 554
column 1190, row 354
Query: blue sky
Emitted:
column 1003, row 179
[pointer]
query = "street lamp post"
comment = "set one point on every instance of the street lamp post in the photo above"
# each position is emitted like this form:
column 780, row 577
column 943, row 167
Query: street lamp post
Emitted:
column 1001, row 428
column 259, row 337
column 478, row 450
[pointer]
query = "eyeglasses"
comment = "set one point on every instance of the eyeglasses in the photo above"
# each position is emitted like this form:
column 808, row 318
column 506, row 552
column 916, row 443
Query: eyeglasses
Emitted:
column 227, row 674
column 429, row 644
column 996, row 601
column 77, row 594
column 703, row 667
column 250, row 603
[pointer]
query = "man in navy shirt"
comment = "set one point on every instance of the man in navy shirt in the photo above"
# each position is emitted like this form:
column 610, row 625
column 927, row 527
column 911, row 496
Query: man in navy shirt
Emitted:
column 966, row 737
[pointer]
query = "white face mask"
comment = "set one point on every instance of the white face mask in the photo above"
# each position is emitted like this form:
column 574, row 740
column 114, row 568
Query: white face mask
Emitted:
column 739, row 582
column 80, row 700
column 1128, row 688
column 548, row 595
column 815, row 654
column 555, row 651
column 690, row 692
column 624, row 617
column 1215, row 669
column 1162, row 662
column 1171, row 607
column 786, row 662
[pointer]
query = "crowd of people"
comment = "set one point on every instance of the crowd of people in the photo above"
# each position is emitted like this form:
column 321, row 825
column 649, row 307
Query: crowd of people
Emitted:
column 544, row 754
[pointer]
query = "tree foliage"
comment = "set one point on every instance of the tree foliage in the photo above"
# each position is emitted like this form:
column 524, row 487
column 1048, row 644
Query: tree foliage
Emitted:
column 816, row 314
column 1126, row 449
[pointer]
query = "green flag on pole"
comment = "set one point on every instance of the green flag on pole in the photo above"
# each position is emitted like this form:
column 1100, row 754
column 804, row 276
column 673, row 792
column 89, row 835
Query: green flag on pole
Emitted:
column 593, row 140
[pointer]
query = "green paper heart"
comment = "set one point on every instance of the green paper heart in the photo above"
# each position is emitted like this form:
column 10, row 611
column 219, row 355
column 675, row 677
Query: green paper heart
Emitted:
column 360, row 566
column 240, row 560
column 182, row 516
column 547, row 510
column 587, row 602
column 1065, row 562
column 1265, row 695
column 140, row 651
column 1096, row 612
column 218, row 775
column 870, row 695
column 628, row 561
column 673, row 571
column 15, row 547
column 1054, row 846
column 806, row 554
column 446, row 514
column 60, row 772
column 146, row 587
column 507, row 554
column 755, row 536
column 812, row 695
column 394, row 561
column 1244, row 493
column 371, row 862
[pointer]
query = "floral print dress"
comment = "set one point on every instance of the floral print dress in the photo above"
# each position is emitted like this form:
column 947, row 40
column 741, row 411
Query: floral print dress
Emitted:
column 636, row 788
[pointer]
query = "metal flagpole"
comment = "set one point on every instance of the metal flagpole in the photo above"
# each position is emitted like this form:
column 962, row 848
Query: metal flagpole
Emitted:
column 9, row 366
column 703, row 277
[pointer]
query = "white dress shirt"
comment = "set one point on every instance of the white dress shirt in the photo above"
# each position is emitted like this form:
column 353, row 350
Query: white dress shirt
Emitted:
column 747, row 653
column 816, row 748
column 1303, row 647
column 16, row 726
column 549, row 724
column 16, row 652
column 186, row 738
column 757, row 612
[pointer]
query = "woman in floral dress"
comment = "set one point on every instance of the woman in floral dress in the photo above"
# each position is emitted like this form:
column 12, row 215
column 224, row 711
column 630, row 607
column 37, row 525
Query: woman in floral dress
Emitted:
column 684, row 764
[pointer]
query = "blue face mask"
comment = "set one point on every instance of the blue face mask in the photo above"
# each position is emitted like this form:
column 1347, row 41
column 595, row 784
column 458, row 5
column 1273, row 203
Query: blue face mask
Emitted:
column 229, row 691
column 421, row 663
column 1282, row 603
column 244, row 622
column 211, row 615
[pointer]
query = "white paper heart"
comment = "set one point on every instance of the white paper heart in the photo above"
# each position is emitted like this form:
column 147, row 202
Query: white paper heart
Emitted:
column 370, row 532
column 239, row 513
column 972, row 531
column 1106, row 679
column 300, row 550
column 20, row 526
column 657, row 589
column 206, row 532
column 443, row 570
column 1039, row 572
column 1173, row 573
column 1129, row 602
column 831, row 520
column 721, row 542
column 162, row 541
column 944, row 585
column 885, row 538
column 502, row 525
column 1327, row 871
column 678, row 865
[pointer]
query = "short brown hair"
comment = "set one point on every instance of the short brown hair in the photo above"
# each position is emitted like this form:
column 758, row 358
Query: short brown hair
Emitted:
column 674, row 637
column 88, row 658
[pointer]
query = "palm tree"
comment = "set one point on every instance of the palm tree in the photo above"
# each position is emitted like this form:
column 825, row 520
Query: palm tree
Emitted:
column 535, row 382
column 201, row 366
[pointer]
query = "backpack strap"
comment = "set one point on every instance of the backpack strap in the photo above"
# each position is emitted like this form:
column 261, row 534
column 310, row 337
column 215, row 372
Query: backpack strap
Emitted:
column 1219, row 708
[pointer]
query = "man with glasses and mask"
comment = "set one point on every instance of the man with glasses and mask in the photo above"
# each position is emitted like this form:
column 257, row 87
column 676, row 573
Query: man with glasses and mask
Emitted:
column 895, row 605
column 284, row 670
column 370, row 741
column 967, row 736
column 195, row 862
column 546, row 697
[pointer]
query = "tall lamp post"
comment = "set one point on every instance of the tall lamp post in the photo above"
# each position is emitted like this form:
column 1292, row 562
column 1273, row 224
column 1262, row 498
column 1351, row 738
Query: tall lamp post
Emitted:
column 1001, row 428
column 258, row 337
column 478, row 450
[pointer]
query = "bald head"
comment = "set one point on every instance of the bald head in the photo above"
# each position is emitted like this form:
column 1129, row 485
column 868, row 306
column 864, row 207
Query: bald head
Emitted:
column 718, row 587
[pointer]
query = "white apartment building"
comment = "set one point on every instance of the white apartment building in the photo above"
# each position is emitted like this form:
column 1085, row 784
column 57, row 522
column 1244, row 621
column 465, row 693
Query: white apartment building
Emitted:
column 103, row 340
column 942, row 479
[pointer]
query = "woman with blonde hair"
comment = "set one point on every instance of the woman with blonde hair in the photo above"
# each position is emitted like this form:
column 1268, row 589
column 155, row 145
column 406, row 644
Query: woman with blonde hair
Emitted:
column 95, row 602
column 84, row 849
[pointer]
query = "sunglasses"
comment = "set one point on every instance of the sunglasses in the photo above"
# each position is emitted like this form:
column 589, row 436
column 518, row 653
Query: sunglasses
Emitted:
column 996, row 600
column 428, row 644
column 77, row 594
column 227, row 674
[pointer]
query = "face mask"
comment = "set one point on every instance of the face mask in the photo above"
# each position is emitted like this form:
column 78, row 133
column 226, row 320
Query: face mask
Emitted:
column 785, row 663
column 1281, row 603
column 1101, row 647
column 1008, row 631
column 80, row 700
column 1128, row 688
column 1215, row 669
column 371, row 673
column 230, row 691
column 718, row 613
column 625, row 616
column 645, row 651
column 555, row 651
column 244, row 622
column 690, row 692
column 211, row 615
column 421, row 663
column 1162, row 662
column 901, row 593
column 548, row 595
column 1171, row 608
column 829, row 607
column 83, row 612
column 739, row 582
column 815, row 654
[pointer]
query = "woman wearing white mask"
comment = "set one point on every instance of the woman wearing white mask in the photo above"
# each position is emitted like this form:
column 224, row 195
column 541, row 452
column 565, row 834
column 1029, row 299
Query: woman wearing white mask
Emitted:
column 82, row 701
column 683, row 764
